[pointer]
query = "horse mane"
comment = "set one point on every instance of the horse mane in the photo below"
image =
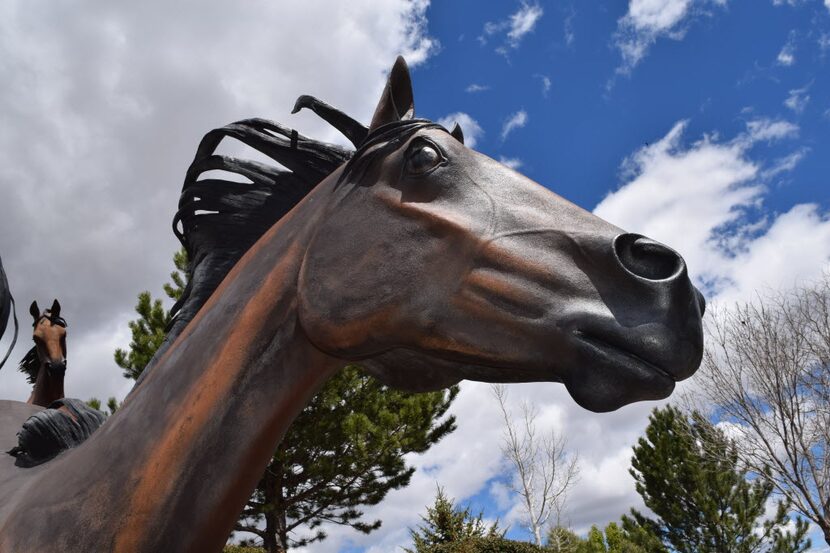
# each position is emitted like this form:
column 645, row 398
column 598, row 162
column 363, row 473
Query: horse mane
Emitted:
column 30, row 365
column 48, row 432
column 219, row 219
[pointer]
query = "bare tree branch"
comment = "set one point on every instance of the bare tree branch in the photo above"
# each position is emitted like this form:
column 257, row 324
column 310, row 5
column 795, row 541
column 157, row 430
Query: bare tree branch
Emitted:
column 766, row 372
column 543, row 468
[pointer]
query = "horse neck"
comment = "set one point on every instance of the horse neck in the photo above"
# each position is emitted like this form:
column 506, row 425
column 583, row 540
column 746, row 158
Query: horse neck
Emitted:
column 47, row 389
column 174, row 466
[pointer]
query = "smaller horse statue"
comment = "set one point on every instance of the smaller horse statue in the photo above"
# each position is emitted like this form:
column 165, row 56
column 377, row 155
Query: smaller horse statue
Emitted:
column 64, row 422
column 45, row 364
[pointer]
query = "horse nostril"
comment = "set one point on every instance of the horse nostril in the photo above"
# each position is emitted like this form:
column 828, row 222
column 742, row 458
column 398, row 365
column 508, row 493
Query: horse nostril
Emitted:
column 646, row 258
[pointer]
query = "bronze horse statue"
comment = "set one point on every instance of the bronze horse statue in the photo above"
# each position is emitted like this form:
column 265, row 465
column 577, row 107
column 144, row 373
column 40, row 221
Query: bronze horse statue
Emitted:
column 420, row 259
column 45, row 364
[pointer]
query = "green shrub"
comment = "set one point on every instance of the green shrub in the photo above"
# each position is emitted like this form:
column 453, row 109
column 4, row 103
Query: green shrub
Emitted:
column 492, row 544
column 242, row 549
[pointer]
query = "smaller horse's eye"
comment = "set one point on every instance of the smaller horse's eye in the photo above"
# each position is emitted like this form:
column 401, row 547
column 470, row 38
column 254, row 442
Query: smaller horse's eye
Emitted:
column 424, row 158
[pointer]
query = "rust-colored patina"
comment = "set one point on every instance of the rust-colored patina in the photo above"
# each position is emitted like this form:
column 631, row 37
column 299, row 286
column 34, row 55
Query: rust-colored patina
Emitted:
column 421, row 259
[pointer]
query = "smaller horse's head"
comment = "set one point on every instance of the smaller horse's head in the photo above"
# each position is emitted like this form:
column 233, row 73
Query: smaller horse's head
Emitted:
column 435, row 263
column 49, row 336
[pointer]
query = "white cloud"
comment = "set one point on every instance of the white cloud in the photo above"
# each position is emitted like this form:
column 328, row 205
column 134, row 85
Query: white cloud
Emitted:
column 787, row 54
column 706, row 201
column 515, row 121
column 568, row 27
column 546, row 84
column 522, row 22
column 516, row 26
column 648, row 20
column 827, row 4
column 469, row 126
column 512, row 162
column 798, row 99
column 477, row 88
column 768, row 130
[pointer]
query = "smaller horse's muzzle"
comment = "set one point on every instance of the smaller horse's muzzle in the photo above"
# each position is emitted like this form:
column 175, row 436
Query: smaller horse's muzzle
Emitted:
column 56, row 368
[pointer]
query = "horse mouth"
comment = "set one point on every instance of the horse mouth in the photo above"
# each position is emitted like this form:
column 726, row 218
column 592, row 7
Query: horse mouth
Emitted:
column 622, row 356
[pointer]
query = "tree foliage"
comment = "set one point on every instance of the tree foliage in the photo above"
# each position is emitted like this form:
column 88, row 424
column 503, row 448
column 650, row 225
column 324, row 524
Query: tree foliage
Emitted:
column 445, row 523
column 149, row 330
column 345, row 450
column 687, row 472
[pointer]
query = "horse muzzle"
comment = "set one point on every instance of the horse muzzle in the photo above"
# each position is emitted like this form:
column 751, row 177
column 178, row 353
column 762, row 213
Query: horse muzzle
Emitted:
column 56, row 368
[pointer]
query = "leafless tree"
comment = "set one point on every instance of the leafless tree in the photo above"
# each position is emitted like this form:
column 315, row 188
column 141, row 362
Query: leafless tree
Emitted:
column 544, row 470
column 766, row 373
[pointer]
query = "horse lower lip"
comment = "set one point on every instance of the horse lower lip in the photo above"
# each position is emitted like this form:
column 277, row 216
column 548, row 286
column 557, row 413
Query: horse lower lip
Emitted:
column 607, row 348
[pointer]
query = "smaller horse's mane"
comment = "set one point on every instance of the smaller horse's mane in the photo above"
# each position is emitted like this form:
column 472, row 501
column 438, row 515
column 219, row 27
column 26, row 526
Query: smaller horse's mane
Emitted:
column 30, row 364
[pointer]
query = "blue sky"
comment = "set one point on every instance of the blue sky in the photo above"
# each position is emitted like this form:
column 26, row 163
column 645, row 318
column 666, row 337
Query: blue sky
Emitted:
column 722, row 71
column 702, row 123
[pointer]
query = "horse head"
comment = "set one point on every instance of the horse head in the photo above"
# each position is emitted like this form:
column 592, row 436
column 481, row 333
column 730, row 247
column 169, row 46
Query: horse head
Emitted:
column 49, row 335
column 436, row 263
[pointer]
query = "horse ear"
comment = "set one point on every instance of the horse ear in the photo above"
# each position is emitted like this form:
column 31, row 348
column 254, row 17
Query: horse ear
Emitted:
column 34, row 311
column 457, row 133
column 55, row 311
column 396, row 101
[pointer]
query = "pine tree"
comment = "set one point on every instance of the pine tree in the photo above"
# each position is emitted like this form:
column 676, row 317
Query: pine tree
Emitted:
column 445, row 523
column 687, row 472
column 149, row 329
column 562, row 540
column 345, row 450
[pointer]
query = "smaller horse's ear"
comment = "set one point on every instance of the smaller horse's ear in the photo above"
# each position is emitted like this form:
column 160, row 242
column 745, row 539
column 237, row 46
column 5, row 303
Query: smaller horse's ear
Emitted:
column 457, row 133
column 34, row 311
column 55, row 311
column 396, row 102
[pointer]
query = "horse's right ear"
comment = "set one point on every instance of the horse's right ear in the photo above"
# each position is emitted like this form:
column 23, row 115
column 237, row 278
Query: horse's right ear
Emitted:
column 34, row 311
column 396, row 101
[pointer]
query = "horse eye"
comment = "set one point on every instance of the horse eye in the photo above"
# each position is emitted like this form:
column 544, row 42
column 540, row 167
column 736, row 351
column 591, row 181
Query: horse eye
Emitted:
column 423, row 159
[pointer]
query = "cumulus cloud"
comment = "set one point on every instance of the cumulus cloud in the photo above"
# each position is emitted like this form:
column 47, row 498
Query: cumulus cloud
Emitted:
column 647, row 20
column 515, row 121
column 515, row 27
column 469, row 126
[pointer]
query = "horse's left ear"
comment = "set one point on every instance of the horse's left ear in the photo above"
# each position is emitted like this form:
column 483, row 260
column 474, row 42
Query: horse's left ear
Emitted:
column 457, row 133
column 55, row 311
column 396, row 102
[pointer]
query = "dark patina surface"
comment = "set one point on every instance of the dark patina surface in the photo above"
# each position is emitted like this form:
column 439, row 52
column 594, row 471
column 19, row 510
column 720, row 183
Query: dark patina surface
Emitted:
column 421, row 259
